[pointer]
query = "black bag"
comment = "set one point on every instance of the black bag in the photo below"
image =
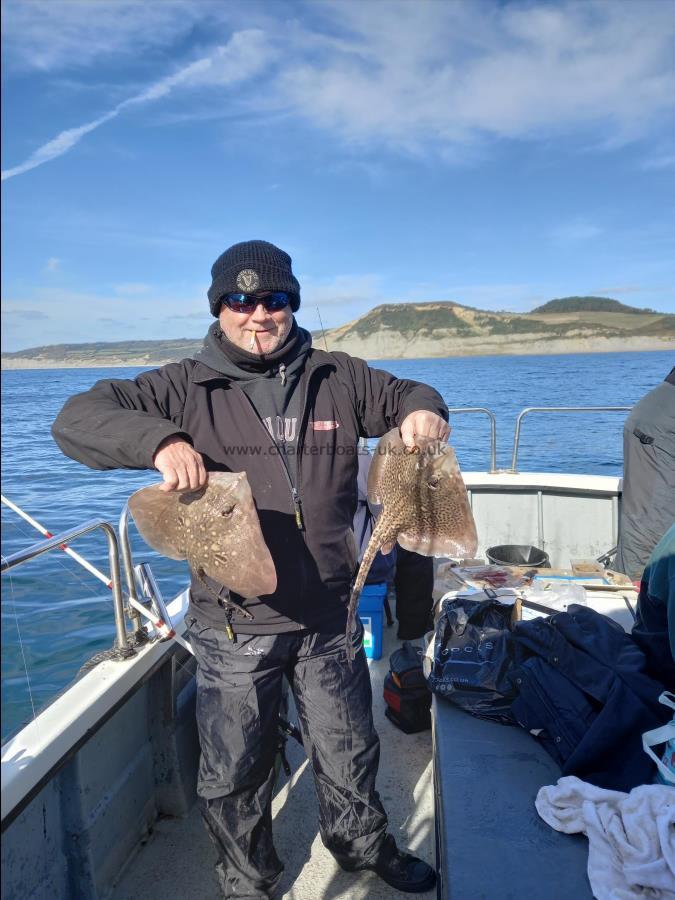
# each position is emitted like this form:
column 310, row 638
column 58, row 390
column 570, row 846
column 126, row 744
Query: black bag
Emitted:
column 406, row 692
column 473, row 654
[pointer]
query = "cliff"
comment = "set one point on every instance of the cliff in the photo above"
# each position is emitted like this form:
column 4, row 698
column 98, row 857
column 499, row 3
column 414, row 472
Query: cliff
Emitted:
column 417, row 330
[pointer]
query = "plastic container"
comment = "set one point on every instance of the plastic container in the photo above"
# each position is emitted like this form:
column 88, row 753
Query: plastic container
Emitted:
column 371, row 613
column 518, row 555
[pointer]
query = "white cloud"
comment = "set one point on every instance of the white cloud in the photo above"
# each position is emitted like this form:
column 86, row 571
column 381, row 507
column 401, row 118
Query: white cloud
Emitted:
column 574, row 231
column 49, row 35
column 132, row 288
column 236, row 61
column 71, row 315
column 621, row 289
column 53, row 264
column 423, row 77
column 23, row 313
column 444, row 74
column 659, row 161
column 203, row 315
column 340, row 289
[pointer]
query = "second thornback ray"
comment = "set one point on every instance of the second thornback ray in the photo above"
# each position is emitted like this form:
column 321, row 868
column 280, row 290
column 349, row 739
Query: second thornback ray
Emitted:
column 425, row 506
column 216, row 528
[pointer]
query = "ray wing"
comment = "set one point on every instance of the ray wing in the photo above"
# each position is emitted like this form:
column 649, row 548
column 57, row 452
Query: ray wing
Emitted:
column 384, row 458
column 448, row 529
column 216, row 527
column 157, row 515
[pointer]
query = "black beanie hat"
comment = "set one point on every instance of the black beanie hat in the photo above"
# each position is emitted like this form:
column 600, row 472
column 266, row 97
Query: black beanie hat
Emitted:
column 250, row 267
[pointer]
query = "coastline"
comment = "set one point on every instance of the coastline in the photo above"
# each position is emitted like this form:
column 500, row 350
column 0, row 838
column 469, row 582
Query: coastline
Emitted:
column 390, row 345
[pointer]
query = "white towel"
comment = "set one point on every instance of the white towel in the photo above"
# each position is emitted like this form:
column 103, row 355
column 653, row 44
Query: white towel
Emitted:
column 631, row 837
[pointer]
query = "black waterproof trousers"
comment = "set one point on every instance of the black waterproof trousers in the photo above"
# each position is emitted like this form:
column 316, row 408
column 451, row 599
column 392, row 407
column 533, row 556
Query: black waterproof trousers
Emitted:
column 414, row 583
column 239, row 689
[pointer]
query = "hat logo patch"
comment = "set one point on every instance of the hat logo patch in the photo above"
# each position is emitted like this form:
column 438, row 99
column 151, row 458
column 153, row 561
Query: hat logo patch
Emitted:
column 248, row 281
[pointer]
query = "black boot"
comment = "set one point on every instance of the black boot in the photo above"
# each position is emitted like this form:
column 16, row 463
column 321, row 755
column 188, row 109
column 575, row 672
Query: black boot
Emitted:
column 402, row 871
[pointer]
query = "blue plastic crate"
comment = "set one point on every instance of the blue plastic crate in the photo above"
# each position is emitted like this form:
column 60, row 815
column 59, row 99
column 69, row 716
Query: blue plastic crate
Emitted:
column 371, row 613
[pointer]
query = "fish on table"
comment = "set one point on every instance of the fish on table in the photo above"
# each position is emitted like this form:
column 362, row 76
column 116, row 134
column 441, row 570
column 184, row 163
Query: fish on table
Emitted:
column 215, row 528
column 425, row 507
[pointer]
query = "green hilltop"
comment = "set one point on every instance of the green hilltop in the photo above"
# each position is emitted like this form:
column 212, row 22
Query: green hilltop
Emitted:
column 589, row 304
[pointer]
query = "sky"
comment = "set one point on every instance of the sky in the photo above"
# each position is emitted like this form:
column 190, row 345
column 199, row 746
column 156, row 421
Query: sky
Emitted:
column 496, row 154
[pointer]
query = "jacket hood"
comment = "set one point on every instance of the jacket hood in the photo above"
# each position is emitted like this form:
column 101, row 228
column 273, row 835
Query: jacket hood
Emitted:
column 220, row 354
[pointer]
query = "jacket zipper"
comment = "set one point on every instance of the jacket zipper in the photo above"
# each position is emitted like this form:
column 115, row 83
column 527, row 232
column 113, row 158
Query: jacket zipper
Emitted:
column 297, row 503
column 301, row 432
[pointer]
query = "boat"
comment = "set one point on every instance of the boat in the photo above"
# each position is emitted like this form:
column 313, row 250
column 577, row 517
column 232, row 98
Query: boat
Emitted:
column 99, row 790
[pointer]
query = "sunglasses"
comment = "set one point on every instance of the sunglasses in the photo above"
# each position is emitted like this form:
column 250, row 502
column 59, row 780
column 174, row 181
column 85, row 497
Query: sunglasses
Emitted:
column 246, row 303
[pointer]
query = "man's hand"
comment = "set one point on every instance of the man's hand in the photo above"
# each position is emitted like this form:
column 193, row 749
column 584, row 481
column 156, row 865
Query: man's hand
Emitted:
column 180, row 464
column 423, row 424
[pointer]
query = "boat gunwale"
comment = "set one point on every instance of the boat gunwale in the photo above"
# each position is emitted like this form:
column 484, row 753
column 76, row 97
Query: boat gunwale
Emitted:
column 36, row 753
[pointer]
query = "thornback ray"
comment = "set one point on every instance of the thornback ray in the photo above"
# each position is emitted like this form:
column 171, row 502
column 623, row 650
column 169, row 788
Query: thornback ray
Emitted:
column 215, row 528
column 425, row 506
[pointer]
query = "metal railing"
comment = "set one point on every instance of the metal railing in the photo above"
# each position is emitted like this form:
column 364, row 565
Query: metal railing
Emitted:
column 127, row 559
column 493, row 429
column 531, row 409
column 124, row 648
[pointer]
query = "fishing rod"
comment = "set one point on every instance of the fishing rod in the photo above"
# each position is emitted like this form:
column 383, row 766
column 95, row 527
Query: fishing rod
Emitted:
column 164, row 629
column 323, row 333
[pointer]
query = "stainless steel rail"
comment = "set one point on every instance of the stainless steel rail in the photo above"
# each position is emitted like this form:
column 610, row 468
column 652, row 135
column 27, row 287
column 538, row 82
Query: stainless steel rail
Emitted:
column 127, row 559
column 531, row 409
column 493, row 429
column 65, row 537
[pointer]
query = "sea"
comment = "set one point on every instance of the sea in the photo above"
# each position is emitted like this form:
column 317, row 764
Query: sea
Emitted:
column 55, row 615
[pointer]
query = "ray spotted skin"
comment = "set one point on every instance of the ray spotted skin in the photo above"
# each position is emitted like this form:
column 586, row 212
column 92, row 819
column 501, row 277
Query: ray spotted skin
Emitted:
column 216, row 528
column 425, row 506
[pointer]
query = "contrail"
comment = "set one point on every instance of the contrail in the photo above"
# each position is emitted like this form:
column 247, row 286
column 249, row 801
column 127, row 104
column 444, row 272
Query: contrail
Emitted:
column 238, row 54
column 58, row 146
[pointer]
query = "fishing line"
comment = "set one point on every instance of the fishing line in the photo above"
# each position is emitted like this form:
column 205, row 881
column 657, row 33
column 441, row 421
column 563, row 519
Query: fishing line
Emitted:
column 23, row 653
column 57, row 559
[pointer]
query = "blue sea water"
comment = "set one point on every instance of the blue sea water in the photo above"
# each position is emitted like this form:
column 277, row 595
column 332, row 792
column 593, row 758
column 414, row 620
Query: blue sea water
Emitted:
column 55, row 615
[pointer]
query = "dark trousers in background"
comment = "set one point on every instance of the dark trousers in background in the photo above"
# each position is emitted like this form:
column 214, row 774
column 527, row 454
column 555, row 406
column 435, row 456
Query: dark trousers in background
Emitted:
column 414, row 584
column 239, row 687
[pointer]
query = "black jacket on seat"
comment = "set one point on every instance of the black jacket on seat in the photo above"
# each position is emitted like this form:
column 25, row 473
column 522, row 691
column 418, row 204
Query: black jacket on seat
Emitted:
column 585, row 694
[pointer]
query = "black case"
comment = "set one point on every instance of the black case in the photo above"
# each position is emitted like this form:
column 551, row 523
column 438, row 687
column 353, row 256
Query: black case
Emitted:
column 406, row 694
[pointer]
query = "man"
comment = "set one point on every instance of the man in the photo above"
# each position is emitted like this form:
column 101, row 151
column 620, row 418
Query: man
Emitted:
column 258, row 398
column 648, row 495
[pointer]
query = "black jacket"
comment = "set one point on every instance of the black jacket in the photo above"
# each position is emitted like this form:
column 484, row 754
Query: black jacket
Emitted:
column 586, row 695
column 121, row 424
column 648, row 491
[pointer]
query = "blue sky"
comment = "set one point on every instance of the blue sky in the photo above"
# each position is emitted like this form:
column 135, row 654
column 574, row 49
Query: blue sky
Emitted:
column 498, row 154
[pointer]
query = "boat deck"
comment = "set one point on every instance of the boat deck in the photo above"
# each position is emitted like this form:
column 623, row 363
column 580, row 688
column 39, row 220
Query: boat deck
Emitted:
column 179, row 853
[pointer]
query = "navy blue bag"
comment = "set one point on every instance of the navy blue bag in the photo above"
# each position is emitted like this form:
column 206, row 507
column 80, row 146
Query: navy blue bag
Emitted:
column 473, row 655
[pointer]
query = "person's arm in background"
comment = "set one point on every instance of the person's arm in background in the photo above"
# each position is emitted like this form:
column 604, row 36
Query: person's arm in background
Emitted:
column 648, row 495
column 654, row 628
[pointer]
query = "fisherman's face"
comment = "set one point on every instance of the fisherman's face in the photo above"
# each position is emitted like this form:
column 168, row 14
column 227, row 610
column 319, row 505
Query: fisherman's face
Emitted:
column 259, row 331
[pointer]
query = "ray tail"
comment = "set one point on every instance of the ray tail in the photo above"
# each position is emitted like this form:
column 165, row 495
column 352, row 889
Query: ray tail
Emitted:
column 383, row 533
